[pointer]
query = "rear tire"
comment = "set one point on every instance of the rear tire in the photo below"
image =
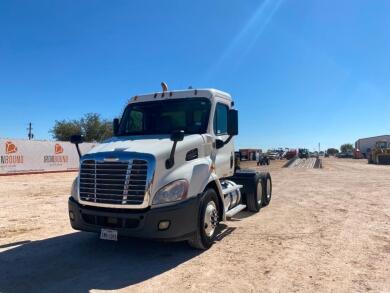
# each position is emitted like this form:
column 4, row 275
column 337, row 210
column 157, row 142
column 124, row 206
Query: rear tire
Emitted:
column 267, row 192
column 207, row 221
column 254, row 200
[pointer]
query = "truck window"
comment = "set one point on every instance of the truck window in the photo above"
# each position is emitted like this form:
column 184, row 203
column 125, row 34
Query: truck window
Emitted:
column 164, row 117
column 135, row 121
column 177, row 119
column 220, row 119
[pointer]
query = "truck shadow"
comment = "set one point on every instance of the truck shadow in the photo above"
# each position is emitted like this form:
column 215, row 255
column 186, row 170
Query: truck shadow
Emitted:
column 79, row 262
column 223, row 231
column 242, row 215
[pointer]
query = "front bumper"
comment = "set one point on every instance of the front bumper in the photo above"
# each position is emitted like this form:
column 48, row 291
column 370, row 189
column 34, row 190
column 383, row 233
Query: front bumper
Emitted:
column 183, row 218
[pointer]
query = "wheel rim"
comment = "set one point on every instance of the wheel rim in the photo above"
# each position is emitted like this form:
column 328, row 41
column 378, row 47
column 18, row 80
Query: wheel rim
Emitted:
column 268, row 188
column 259, row 191
column 210, row 219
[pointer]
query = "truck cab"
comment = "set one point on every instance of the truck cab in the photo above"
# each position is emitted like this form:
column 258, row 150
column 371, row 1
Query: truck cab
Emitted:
column 168, row 172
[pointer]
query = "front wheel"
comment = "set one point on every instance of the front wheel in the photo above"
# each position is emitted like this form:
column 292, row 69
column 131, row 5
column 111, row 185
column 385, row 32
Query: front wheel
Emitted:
column 207, row 221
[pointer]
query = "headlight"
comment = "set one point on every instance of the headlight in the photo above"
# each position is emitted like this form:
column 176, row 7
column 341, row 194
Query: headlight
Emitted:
column 174, row 191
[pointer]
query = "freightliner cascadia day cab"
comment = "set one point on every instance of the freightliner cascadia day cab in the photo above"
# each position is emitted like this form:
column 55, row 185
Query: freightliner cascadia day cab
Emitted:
column 168, row 173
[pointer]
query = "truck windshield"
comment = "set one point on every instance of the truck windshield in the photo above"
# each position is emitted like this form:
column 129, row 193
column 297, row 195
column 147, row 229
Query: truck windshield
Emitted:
column 164, row 117
column 382, row 145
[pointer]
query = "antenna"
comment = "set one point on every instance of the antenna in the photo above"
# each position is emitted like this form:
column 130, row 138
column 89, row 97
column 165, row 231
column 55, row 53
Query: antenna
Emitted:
column 30, row 134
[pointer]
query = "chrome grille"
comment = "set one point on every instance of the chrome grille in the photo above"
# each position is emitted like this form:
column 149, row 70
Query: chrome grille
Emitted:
column 118, row 182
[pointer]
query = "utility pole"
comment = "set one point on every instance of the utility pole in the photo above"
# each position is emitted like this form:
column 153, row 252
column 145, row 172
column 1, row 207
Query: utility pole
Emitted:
column 30, row 134
column 319, row 147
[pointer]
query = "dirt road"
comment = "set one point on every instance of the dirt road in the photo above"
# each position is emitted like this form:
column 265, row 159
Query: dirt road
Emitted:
column 326, row 230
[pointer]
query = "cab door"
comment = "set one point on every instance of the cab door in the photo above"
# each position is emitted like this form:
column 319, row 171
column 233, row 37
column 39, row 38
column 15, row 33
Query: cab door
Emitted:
column 224, row 161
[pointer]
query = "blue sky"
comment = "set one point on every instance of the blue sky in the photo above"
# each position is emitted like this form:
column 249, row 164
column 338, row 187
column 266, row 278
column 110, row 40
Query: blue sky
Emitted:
column 301, row 72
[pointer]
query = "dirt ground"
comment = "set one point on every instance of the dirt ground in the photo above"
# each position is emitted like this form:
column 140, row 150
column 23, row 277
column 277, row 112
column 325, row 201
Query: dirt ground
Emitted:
column 326, row 230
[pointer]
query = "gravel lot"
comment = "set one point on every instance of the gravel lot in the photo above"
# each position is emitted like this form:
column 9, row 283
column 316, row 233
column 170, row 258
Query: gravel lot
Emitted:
column 326, row 230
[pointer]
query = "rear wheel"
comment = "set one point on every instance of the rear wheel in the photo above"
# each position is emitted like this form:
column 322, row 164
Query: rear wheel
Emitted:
column 207, row 221
column 254, row 200
column 267, row 184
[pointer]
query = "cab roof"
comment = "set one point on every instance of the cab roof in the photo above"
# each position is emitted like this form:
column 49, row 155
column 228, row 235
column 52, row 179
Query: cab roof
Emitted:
column 188, row 93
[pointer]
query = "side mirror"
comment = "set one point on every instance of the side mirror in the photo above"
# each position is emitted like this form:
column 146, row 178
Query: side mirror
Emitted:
column 115, row 126
column 232, row 122
column 177, row 135
column 76, row 139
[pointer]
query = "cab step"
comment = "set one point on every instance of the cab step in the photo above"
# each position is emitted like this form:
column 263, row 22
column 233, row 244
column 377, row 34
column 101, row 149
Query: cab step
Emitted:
column 235, row 210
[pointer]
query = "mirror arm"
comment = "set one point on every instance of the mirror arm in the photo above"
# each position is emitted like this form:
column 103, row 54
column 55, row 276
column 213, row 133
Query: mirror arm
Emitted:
column 171, row 161
column 78, row 150
column 228, row 140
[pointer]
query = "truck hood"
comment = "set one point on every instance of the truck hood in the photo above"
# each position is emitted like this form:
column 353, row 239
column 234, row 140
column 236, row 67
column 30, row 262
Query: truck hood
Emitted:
column 156, row 145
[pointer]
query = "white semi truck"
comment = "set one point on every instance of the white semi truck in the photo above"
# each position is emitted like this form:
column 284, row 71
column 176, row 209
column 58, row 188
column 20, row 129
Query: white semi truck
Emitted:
column 168, row 173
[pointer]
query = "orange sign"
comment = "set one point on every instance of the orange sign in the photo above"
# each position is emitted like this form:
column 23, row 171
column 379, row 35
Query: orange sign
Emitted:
column 10, row 148
column 57, row 158
column 58, row 149
column 9, row 158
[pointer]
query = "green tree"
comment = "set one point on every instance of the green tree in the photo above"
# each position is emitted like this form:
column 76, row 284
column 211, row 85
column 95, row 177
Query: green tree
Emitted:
column 347, row 147
column 63, row 129
column 332, row 151
column 91, row 126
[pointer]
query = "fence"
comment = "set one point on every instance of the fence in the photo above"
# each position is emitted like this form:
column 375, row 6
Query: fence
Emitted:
column 19, row 156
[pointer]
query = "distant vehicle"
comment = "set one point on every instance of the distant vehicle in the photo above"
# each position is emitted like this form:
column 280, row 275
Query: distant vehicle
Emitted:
column 263, row 160
column 345, row 155
column 290, row 154
column 365, row 145
column 380, row 154
column 303, row 153
column 273, row 155
column 357, row 154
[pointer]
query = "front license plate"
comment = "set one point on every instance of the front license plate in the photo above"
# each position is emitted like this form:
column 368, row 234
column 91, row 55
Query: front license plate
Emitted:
column 107, row 234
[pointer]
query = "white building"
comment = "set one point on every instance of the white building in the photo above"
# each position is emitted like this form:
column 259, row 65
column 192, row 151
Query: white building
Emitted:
column 365, row 145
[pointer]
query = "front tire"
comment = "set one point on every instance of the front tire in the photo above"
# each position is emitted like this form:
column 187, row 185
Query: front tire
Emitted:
column 207, row 221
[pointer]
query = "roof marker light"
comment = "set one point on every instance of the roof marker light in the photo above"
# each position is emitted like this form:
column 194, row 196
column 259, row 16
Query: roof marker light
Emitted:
column 164, row 86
